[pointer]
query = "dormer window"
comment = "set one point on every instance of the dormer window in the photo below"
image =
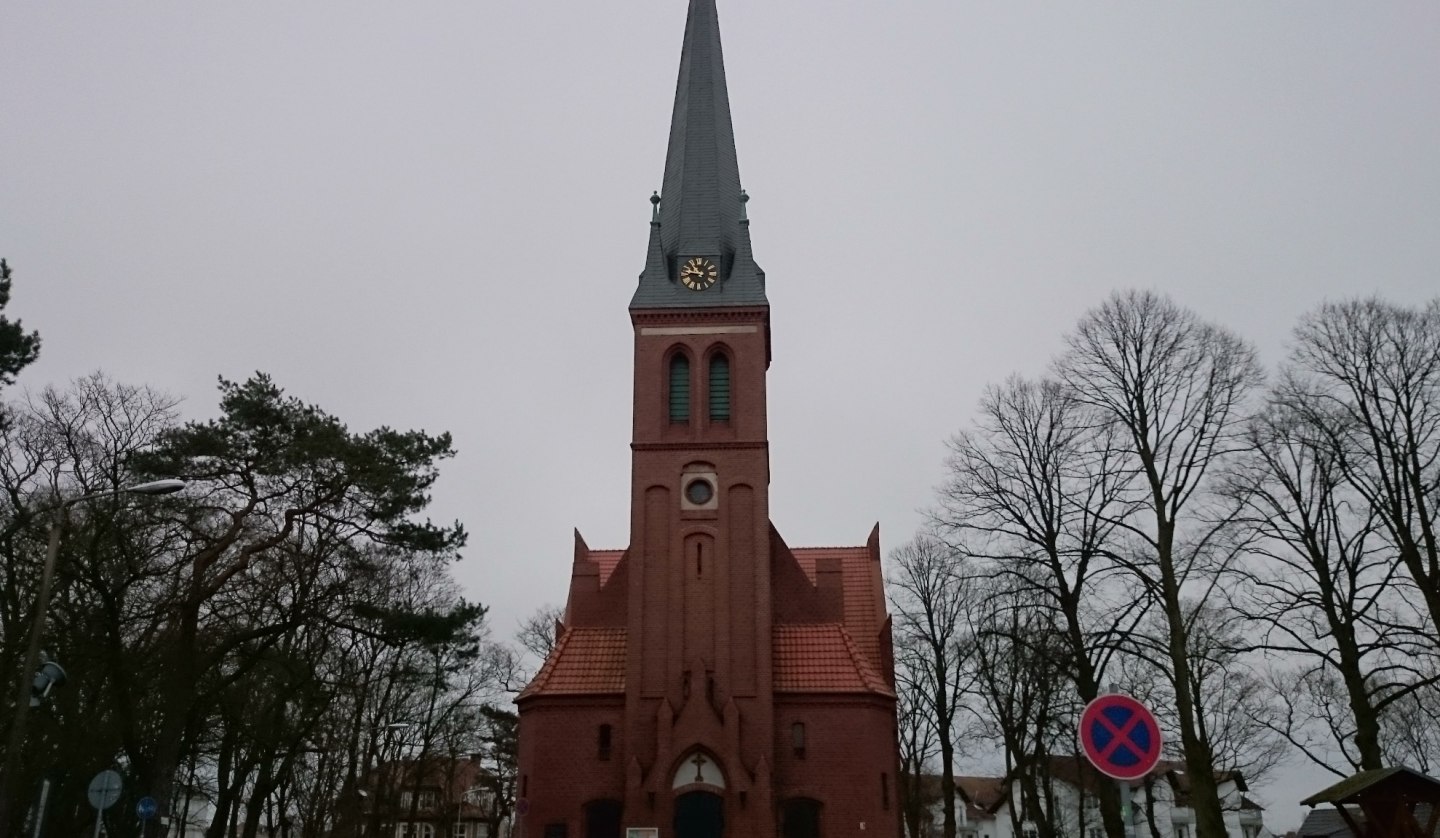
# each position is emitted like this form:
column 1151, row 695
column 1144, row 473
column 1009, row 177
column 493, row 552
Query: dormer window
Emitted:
column 719, row 388
column 680, row 389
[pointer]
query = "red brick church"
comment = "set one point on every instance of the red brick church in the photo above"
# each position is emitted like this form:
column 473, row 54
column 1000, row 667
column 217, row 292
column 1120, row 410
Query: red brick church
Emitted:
column 710, row 680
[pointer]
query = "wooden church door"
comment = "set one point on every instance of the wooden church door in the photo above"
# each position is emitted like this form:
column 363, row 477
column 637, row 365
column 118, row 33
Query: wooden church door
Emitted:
column 699, row 814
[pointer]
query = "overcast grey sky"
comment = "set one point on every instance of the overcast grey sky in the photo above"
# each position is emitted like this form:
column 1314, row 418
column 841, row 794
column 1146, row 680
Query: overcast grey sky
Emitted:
column 432, row 214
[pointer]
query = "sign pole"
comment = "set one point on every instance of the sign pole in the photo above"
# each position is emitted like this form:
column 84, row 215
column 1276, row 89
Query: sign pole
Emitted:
column 1121, row 738
column 1125, row 814
column 40, row 811
column 103, row 792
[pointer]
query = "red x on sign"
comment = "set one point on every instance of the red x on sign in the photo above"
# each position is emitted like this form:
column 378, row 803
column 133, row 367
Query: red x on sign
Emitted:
column 1120, row 736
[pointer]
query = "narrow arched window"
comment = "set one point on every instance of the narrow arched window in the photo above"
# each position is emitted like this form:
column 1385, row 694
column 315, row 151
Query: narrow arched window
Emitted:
column 719, row 388
column 797, row 739
column 604, row 742
column 680, row 389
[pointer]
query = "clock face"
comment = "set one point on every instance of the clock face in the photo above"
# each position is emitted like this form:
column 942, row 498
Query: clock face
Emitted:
column 699, row 273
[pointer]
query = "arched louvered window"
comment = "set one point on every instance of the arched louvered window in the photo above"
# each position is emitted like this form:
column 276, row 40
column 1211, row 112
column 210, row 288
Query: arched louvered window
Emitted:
column 719, row 388
column 680, row 389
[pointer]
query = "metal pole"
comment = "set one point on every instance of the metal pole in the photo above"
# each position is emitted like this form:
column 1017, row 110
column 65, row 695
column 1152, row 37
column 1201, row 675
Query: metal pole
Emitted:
column 37, row 629
column 99, row 818
column 40, row 812
column 27, row 668
column 1125, row 814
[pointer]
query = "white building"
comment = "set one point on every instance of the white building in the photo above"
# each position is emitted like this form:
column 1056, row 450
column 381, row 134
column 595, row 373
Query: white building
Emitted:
column 988, row 807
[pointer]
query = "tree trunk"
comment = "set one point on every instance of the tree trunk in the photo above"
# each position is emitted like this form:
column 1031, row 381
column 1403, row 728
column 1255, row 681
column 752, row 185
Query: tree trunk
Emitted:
column 1199, row 761
column 947, row 747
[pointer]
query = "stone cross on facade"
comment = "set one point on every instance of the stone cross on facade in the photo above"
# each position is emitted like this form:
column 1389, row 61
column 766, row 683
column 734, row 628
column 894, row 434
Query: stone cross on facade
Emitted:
column 699, row 762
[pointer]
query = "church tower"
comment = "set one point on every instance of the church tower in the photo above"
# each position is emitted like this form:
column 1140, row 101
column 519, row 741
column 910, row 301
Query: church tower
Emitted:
column 709, row 680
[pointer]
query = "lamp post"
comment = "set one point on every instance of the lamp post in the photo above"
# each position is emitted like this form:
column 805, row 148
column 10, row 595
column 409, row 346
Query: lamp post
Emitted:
column 37, row 629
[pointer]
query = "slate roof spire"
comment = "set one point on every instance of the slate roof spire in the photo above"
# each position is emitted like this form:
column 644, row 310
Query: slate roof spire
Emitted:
column 702, row 207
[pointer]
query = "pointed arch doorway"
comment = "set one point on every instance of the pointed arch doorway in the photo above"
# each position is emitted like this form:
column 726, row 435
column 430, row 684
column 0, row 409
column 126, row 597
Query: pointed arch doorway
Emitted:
column 699, row 784
column 699, row 814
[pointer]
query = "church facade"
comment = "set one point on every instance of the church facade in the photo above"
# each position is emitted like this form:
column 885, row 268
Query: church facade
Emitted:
column 710, row 680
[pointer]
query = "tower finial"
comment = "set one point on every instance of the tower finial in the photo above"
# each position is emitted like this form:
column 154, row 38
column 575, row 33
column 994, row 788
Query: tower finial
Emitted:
column 655, row 208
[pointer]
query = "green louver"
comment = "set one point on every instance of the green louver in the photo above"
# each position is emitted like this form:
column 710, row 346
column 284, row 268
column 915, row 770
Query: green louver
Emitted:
column 680, row 389
column 719, row 389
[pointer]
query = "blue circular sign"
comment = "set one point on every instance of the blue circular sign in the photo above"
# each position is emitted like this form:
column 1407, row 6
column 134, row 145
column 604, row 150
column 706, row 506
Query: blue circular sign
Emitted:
column 146, row 807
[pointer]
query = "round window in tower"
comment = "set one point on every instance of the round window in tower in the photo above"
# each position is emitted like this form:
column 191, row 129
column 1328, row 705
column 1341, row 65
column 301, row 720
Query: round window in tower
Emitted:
column 699, row 492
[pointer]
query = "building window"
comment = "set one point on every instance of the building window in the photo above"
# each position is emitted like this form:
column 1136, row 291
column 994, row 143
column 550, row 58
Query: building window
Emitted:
column 680, row 389
column 719, row 388
column 800, row 818
column 460, row 830
column 1182, row 831
column 406, row 798
column 604, row 742
column 557, row 830
column 1030, row 832
column 402, row 830
column 885, row 790
column 427, row 800
column 797, row 739
column 424, row 830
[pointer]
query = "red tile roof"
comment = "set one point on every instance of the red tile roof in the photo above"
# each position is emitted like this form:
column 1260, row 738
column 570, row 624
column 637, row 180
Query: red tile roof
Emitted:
column 606, row 560
column 822, row 658
column 863, row 588
column 586, row 661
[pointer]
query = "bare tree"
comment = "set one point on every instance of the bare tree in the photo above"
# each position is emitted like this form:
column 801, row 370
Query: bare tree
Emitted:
column 1020, row 661
column 1038, row 487
column 1366, row 375
column 1411, row 735
column 919, row 743
column 1320, row 584
column 1175, row 389
column 930, row 592
column 1233, row 707
column 539, row 632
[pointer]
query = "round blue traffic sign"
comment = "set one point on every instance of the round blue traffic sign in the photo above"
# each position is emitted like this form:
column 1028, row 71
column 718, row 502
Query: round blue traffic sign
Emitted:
column 1120, row 736
column 145, row 808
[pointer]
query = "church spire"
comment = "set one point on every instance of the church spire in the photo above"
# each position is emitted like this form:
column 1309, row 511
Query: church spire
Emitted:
column 702, row 207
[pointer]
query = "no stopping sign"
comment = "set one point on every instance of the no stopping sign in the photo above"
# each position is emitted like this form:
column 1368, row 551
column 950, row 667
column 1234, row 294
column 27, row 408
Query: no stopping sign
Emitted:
column 1120, row 736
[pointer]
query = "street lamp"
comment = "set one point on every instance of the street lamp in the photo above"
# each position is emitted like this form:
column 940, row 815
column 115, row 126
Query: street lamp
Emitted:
column 37, row 629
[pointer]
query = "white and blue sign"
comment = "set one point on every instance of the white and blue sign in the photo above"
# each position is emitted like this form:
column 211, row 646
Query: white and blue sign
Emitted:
column 145, row 808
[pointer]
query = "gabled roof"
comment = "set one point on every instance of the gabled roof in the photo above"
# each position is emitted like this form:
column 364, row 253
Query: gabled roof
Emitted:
column 822, row 658
column 985, row 794
column 701, row 206
column 585, row 661
column 863, row 589
column 607, row 561
column 452, row 778
column 1354, row 788
column 1078, row 772
column 1327, row 823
